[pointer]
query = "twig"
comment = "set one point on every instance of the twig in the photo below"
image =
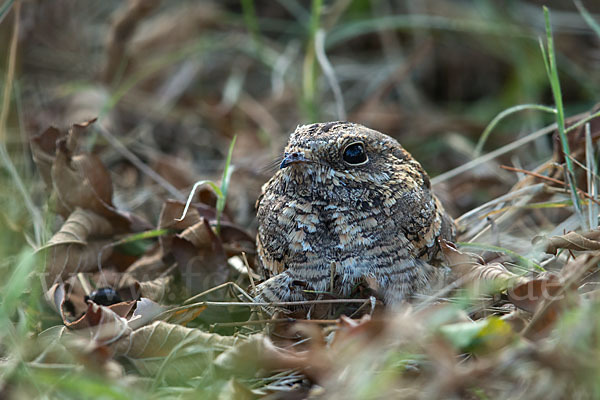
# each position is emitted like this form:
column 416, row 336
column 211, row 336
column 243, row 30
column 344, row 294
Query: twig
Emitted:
column 332, row 270
column 547, row 178
column 533, row 188
column 249, row 271
column 256, row 304
column 214, row 289
column 330, row 74
column 491, row 155
column 275, row 321
column 139, row 164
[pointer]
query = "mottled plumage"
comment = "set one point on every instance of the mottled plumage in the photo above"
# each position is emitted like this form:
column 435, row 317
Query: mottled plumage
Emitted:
column 349, row 197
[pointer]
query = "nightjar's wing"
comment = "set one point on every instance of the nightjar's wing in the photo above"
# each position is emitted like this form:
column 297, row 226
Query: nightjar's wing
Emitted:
column 271, row 242
column 442, row 227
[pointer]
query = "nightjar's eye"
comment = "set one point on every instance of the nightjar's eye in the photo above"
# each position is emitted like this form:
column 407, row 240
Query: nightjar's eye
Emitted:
column 355, row 154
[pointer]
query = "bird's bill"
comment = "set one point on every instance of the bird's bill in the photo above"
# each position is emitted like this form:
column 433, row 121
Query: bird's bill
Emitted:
column 293, row 158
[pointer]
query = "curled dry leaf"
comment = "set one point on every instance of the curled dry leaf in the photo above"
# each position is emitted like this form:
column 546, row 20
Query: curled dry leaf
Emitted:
column 154, row 289
column 103, row 324
column 585, row 241
column 549, row 297
column 59, row 345
column 148, row 267
column 176, row 352
column 43, row 150
column 145, row 311
column 81, row 180
column 200, row 257
column 529, row 295
column 258, row 352
column 81, row 225
column 75, row 247
column 78, row 180
column 235, row 240
column 55, row 296
column 168, row 219
column 470, row 268
column 61, row 297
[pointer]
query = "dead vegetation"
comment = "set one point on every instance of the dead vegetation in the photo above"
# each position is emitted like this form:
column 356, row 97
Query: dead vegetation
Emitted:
column 113, row 110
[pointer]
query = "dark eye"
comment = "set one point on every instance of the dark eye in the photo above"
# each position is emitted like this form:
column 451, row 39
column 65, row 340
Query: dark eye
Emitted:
column 355, row 154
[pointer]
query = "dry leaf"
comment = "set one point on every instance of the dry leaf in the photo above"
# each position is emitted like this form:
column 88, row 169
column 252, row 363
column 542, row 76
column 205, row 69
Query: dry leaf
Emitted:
column 585, row 241
column 258, row 352
column 176, row 352
column 529, row 295
column 73, row 248
column 102, row 324
column 470, row 268
column 43, row 150
column 78, row 180
column 200, row 257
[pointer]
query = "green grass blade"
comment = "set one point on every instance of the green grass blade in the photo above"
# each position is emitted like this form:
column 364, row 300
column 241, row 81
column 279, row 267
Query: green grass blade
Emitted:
column 17, row 284
column 587, row 17
column 227, row 171
column 552, row 71
column 309, row 67
column 252, row 23
column 524, row 262
column 522, row 107
column 5, row 8
column 583, row 121
column 144, row 235
column 221, row 192
column 211, row 184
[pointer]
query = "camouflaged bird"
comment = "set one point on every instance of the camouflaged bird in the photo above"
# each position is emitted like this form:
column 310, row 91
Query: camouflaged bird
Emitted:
column 348, row 203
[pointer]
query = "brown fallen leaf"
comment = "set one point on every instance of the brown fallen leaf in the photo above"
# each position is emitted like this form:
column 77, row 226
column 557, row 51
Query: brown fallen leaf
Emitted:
column 236, row 240
column 150, row 266
column 43, row 151
column 256, row 353
column 200, row 257
column 76, row 246
column 59, row 345
column 155, row 289
column 550, row 296
column 172, row 352
column 584, row 241
column 78, row 180
column 529, row 295
column 173, row 209
column 103, row 324
column 471, row 269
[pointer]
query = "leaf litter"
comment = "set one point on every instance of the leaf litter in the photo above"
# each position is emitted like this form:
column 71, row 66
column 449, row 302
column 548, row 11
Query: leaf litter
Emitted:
column 324, row 351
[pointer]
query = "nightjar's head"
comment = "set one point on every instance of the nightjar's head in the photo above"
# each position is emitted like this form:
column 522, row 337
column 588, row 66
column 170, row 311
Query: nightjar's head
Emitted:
column 349, row 155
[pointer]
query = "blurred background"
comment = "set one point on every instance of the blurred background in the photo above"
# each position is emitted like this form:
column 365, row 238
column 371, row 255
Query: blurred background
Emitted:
column 172, row 83
column 175, row 81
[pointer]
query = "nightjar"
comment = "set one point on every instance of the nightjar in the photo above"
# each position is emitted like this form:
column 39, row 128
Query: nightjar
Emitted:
column 348, row 204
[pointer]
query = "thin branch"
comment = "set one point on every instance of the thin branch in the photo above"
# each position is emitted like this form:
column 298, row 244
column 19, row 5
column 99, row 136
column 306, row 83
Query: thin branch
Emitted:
column 547, row 178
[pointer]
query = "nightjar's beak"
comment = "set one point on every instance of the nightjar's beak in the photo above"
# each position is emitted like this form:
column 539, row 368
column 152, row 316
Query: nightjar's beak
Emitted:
column 292, row 158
